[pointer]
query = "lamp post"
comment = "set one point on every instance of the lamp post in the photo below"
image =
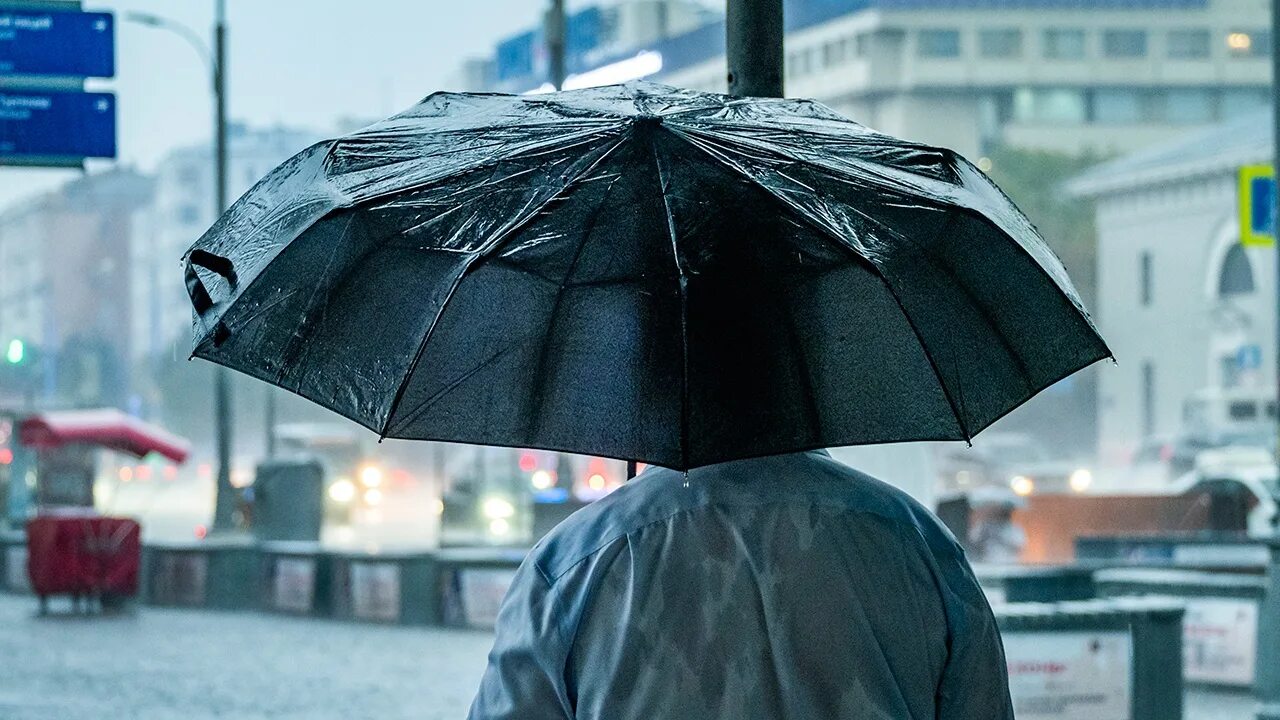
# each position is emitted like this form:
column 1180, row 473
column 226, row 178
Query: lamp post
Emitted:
column 216, row 61
column 753, row 47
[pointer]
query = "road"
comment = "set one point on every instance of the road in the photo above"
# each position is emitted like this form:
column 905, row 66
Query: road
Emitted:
column 160, row 664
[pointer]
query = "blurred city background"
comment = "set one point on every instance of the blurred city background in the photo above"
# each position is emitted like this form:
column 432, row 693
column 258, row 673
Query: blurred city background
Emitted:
column 1135, row 134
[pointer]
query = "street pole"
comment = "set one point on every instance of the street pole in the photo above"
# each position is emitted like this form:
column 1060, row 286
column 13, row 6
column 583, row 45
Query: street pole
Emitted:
column 554, row 27
column 753, row 47
column 224, row 503
column 1267, row 684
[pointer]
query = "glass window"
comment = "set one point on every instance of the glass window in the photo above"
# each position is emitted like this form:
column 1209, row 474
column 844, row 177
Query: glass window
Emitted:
column 1002, row 43
column 188, row 175
column 1189, row 43
column 1237, row 101
column 832, row 53
column 938, row 43
column 1148, row 398
column 1188, row 105
column 1124, row 43
column 1145, row 281
column 1049, row 105
column 1255, row 42
column 1236, row 277
column 1114, row 106
column 188, row 214
column 1063, row 44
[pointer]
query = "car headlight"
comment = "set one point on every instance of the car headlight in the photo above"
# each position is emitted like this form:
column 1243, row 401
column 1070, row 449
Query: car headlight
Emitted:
column 1022, row 485
column 342, row 490
column 1080, row 480
column 496, row 508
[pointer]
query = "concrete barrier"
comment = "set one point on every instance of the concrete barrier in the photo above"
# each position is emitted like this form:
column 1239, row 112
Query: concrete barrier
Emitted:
column 473, row 582
column 1220, row 628
column 1207, row 550
column 13, row 563
column 294, row 578
column 1095, row 658
column 388, row 587
column 212, row 573
column 1037, row 583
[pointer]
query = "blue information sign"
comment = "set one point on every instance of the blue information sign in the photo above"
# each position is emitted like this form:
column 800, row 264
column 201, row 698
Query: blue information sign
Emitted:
column 57, row 124
column 50, row 42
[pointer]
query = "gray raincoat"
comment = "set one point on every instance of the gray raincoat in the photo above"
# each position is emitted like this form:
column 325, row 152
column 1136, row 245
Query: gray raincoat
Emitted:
column 783, row 587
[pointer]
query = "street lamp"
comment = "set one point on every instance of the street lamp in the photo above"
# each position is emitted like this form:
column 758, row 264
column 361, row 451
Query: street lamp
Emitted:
column 216, row 61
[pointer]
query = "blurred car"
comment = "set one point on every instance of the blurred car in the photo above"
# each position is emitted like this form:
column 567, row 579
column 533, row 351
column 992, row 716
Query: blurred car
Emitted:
column 1015, row 461
column 1167, row 458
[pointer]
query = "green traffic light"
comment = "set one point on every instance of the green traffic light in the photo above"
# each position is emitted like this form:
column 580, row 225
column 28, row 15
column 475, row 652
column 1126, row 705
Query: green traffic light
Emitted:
column 16, row 352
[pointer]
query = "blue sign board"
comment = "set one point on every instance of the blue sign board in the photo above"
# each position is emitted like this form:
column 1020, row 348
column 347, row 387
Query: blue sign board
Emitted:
column 1256, row 200
column 1249, row 357
column 57, row 124
column 46, row 42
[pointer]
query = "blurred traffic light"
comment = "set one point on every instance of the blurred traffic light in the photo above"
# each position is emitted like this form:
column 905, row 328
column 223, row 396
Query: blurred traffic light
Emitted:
column 16, row 352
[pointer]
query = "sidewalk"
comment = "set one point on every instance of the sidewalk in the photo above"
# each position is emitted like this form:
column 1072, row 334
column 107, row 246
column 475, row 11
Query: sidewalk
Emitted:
column 158, row 664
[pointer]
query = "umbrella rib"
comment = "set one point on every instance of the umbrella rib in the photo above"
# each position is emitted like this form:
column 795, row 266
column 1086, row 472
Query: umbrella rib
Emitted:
column 684, row 310
column 888, row 172
column 825, row 231
column 516, row 224
column 540, row 388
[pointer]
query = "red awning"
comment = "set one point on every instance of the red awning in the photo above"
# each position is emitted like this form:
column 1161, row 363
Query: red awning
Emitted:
column 108, row 428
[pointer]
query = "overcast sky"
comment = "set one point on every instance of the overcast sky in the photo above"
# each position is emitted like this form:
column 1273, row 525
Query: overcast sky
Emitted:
column 297, row 62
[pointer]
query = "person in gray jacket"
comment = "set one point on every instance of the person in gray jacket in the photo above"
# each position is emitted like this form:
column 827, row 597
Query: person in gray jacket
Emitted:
column 779, row 587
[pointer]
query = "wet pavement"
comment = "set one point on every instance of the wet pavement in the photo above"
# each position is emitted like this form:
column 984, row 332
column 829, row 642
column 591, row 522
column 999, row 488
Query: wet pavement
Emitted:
column 161, row 664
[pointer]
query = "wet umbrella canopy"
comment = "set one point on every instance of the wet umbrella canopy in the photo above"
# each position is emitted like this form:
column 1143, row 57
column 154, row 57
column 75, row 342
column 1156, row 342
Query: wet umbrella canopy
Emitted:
column 638, row 272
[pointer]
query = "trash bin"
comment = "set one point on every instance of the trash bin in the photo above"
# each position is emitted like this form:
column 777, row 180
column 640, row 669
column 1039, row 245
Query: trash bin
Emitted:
column 288, row 501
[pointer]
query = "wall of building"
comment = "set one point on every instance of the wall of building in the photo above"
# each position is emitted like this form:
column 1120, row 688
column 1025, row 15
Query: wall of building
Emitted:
column 1185, row 227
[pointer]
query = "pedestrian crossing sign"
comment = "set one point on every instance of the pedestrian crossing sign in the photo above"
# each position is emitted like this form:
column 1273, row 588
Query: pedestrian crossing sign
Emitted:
column 1257, row 202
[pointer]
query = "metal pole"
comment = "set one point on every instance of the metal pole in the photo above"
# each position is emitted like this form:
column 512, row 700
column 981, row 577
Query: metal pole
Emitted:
column 1267, row 681
column 269, row 419
column 224, row 504
column 554, row 26
column 753, row 47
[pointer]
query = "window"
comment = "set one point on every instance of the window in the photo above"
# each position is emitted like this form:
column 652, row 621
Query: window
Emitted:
column 1124, row 43
column 1241, row 100
column 1236, row 277
column 1148, row 398
column 1116, row 107
column 188, row 214
column 1188, row 43
column 1249, row 43
column 1002, row 43
column 938, row 43
column 1049, row 105
column 832, row 53
column 1145, row 279
column 1242, row 410
column 1063, row 44
column 1188, row 105
column 188, row 175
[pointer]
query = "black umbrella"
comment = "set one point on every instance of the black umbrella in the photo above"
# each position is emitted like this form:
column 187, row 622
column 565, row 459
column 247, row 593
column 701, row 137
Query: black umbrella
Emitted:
column 638, row 272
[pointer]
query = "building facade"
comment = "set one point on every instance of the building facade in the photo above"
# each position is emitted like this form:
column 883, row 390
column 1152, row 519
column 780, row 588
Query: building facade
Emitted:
column 180, row 212
column 1188, row 310
column 62, row 254
column 1093, row 76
